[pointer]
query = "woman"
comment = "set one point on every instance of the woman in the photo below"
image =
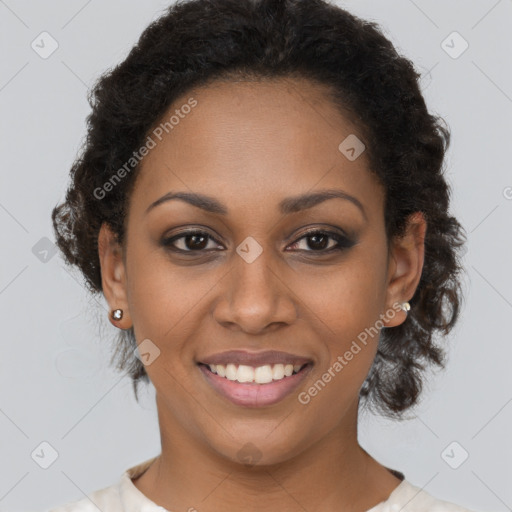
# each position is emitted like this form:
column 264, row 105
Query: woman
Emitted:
column 261, row 201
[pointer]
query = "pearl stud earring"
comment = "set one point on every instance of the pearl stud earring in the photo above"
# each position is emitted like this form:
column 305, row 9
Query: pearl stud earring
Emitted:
column 117, row 314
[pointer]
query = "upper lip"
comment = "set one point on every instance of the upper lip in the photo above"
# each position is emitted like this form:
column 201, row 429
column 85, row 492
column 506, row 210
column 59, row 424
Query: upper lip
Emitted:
column 255, row 358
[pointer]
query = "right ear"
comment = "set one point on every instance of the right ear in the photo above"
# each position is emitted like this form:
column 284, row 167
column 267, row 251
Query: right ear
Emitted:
column 113, row 275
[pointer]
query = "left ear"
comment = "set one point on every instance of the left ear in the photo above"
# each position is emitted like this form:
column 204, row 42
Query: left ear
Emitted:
column 113, row 276
column 405, row 266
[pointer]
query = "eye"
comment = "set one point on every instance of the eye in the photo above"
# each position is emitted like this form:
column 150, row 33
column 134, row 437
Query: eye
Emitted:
column 197, row 241
column 319, row 241
column 190, row 241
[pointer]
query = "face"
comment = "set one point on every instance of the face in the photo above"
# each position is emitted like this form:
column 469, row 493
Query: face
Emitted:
column 258, row 269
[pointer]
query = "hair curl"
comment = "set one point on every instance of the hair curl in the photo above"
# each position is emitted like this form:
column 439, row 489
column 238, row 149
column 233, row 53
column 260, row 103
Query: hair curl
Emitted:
column 196, row 42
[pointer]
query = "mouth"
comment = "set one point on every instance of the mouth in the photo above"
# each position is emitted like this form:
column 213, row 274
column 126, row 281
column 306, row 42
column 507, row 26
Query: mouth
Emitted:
column 254, row 386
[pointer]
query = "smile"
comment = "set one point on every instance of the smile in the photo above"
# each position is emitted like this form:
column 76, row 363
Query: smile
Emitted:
column 259, row 375
column 254, row 386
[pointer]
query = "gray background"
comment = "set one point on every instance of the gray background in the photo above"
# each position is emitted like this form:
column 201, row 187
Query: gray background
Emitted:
column 55, row 381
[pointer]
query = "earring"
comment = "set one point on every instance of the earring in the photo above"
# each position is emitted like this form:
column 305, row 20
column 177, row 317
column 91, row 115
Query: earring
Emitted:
column 117, row 314
column 405, row 306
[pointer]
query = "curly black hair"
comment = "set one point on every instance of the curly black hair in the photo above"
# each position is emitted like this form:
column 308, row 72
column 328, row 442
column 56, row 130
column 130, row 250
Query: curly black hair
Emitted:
column 196, row 42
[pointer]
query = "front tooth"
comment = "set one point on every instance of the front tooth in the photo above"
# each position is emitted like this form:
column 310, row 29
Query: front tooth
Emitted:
column 231, row 372
column 260, row 375
column 278, row 371
column 263, row 374
column 245, row 373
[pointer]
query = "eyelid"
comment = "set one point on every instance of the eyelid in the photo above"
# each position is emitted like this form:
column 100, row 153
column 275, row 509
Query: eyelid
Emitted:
column 342, row 239
column 330, row 230
column 168, row 241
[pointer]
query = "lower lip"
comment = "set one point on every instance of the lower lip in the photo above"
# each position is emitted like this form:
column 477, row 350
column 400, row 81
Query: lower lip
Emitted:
column 249, row 394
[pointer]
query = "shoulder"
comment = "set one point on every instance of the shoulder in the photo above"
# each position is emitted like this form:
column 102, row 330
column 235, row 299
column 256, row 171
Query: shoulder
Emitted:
column 107, row 498
column 410, row 498
column 115, row 498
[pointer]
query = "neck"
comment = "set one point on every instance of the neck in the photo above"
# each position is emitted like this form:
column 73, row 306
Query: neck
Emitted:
column 333, row 473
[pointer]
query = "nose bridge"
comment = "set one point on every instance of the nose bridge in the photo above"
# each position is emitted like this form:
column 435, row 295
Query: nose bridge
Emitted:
column 253, row 269
column 255, row 296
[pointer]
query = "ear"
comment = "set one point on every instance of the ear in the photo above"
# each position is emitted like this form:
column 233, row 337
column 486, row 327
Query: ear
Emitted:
column 113, row 275
column 405, row 267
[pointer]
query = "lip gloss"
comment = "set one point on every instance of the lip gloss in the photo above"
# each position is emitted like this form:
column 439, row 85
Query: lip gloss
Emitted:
column 250, row 394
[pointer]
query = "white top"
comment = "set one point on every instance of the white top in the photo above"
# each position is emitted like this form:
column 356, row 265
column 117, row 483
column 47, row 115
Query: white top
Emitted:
column 125, row 497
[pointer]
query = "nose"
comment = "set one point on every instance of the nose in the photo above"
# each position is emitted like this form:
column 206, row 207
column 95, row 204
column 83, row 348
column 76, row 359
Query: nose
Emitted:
column 255, row 297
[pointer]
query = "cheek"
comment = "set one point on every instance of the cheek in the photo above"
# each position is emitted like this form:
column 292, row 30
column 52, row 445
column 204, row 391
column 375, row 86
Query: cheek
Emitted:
column 348, row 298
column 345, row 307
column 165, row 300
column 347, row 310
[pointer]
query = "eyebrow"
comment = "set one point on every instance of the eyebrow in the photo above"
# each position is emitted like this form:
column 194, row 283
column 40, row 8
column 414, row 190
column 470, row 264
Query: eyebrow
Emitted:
column 286, row 206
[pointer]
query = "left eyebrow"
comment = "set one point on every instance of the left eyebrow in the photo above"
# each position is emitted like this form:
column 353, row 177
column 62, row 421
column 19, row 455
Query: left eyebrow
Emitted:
column 286, row 206
column 201, row 201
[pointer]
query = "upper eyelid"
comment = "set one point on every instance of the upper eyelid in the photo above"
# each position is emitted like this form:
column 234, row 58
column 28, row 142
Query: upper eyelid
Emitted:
column 328, row 231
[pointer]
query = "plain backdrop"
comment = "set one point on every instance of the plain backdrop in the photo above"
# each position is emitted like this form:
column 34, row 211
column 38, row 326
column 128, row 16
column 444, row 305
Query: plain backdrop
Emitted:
column 56, row 385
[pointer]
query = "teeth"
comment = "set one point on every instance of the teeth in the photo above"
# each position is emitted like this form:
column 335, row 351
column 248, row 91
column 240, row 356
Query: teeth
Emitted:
column 278, row 372
column 245, row 374
column 263, row 374
column 230, row 371
column 260, row 375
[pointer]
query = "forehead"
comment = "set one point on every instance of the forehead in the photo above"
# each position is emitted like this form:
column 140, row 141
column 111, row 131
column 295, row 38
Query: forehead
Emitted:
column 249, row 143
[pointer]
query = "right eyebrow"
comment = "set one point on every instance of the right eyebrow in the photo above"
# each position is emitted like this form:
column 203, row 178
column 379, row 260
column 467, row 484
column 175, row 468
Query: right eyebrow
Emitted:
column 286, row 206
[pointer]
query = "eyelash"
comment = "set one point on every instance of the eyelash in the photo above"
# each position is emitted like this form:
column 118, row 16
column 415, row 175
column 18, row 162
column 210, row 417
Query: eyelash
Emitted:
column 342, row 241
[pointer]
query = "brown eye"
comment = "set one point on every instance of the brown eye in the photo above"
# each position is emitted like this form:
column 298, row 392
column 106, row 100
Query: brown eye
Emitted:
column 322, row 242
column 190, row 241
column 318, row 241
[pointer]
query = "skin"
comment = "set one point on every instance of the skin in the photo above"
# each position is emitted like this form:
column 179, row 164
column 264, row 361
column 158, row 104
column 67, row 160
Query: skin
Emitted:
column 250, row 145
